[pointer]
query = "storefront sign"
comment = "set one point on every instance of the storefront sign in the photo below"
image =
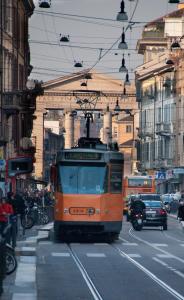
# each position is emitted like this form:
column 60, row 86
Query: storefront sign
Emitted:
column 178, row 171
column 169, row 174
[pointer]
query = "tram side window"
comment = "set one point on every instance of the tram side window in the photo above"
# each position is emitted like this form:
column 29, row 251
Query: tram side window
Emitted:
column 116, row 179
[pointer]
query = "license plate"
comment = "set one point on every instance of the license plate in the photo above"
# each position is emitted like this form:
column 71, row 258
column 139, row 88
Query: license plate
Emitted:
column 81, row 211
column 151, row 212
column 139, row 221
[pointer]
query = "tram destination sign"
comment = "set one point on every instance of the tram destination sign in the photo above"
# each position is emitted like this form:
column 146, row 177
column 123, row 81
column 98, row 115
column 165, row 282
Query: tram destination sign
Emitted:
column 82, row 156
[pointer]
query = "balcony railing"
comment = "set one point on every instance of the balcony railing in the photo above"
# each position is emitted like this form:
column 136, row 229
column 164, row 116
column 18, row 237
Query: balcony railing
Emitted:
column 164, row 128
column 153, row 34
column 11, row 102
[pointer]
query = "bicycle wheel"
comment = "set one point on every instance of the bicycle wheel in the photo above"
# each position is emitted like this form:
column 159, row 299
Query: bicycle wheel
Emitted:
column 11, row 261
column 44, row 219
column 27, row 222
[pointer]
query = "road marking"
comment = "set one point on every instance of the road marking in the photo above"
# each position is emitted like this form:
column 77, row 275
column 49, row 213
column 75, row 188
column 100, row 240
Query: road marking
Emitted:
column 165, row 255
column 182, row 245
column 179, row 273
column 160, row 261
column 25, row 274
column 159, row 245
column 96, row 255
column 129, row 244
column 171, row 237
column 170, row 268
column 28, row 259
column 164, row 285
column 124, row 240
column 45, row 243
column 157, row 248
column 24, row 296
column 134, row 255
column 60, row 254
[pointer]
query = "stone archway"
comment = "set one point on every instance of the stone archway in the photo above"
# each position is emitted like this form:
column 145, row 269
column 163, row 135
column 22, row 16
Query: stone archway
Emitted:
column 62, row 93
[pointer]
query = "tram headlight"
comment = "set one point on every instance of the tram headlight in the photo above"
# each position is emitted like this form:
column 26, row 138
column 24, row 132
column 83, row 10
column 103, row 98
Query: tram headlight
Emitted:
column 91, row 211
column 66, row 210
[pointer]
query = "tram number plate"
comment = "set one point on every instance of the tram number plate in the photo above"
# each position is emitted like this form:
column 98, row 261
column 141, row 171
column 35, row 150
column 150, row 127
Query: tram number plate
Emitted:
column 78, row 211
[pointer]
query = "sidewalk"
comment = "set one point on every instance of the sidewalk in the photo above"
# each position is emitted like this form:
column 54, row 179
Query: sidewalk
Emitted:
column 21, row 285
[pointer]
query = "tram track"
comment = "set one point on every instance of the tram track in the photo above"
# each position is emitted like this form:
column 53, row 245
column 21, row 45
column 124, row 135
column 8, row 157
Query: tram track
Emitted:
column 161, row 283
column 155, row 247
column 95, row 293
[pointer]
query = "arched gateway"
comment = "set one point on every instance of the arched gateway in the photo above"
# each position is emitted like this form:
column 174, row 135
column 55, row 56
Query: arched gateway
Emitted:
column 62, row 94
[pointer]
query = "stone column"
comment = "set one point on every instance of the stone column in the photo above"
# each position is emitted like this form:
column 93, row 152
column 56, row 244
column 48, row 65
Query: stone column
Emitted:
column 69, row 130
column 107, row 127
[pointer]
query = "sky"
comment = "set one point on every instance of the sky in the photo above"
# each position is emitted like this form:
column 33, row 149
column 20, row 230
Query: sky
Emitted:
column 93, row 30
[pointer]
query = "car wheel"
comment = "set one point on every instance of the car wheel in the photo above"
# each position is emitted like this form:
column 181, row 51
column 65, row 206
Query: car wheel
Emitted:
column 165, row 226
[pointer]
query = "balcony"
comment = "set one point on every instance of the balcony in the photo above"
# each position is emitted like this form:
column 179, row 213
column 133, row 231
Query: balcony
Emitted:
column 11, row 103
column 28, row 145
column 164, row 129
column 146, row 132
column 152, row 34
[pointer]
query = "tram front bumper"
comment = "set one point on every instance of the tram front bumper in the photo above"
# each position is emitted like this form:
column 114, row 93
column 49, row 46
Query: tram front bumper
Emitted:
column 88, row 227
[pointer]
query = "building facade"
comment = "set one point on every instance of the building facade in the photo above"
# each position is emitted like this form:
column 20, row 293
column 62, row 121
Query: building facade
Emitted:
column 17, row 103
column 160, row 96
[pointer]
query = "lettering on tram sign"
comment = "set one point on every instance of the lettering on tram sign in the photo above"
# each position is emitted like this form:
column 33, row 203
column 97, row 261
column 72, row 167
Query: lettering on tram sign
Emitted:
column 82, row 156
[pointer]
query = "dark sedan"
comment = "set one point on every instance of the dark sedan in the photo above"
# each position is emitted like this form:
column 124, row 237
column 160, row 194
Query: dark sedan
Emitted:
column 155, row 214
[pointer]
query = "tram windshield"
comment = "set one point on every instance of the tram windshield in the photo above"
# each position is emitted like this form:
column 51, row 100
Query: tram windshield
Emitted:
column 83, row 179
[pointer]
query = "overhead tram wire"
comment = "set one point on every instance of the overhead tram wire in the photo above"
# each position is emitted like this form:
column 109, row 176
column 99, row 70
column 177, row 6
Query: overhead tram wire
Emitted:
column 102, row 56
column 81, row 47
column 85, row 21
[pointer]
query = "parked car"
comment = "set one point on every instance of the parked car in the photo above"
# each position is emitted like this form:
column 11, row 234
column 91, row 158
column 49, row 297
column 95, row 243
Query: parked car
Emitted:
column 155, row 214
column 171, row 202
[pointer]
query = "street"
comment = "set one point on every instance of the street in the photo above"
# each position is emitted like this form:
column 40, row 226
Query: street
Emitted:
column 139, row 265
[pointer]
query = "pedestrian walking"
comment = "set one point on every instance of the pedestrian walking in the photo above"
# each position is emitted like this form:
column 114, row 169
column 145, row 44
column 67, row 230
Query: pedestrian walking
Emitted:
column 181, row 210
column 6, row 210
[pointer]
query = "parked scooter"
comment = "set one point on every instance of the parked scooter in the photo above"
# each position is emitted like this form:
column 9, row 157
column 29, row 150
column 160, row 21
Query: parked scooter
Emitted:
column 137, row 221
column 8, row 258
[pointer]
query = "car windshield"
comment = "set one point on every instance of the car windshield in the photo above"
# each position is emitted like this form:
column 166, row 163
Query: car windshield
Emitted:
column 155, row 204
column 150, row 197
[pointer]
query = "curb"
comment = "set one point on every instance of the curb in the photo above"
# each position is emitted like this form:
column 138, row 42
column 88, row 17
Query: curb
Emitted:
column 25, row 251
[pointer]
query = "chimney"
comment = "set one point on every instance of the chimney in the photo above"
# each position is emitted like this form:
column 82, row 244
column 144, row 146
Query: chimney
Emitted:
column 181, row 5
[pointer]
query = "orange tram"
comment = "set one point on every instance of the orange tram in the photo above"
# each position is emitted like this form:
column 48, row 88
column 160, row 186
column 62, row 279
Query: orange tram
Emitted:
column 87, row 182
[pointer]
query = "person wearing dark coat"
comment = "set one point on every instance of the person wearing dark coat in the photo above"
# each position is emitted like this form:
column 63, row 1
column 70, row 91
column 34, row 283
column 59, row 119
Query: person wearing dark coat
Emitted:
column 181, row 210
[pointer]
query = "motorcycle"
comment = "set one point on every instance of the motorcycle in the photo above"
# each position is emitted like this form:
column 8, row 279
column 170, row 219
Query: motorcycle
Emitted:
column 137, row 221
column 34, row 215
column 10, row 259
